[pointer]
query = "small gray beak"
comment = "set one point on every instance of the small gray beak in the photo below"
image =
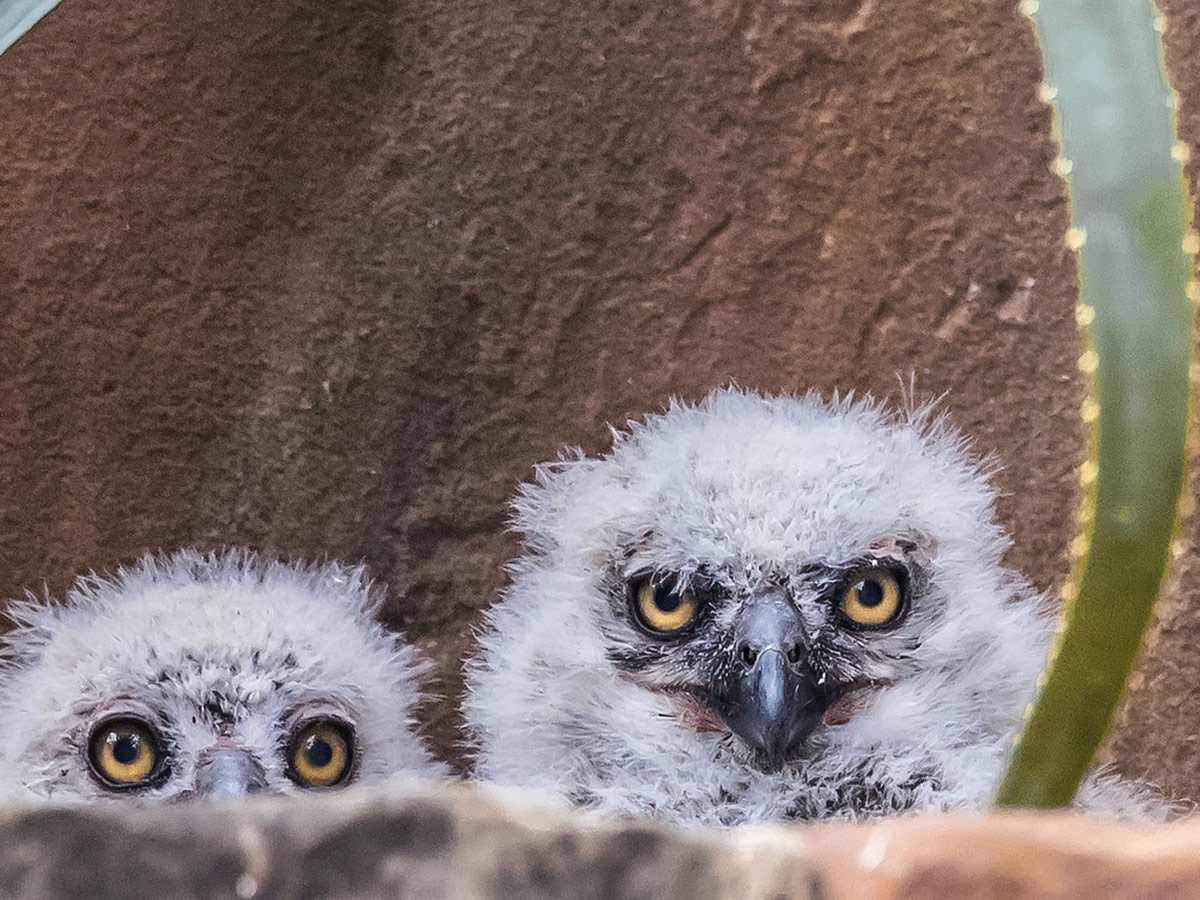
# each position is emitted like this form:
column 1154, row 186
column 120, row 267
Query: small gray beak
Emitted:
column 769, row 698
column 229, row 772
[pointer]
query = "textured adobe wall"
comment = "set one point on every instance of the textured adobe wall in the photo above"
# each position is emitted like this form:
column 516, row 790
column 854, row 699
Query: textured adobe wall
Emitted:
column 327, row 279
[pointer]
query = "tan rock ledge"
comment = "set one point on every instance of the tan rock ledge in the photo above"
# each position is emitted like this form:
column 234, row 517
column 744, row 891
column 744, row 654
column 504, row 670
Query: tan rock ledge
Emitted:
column 419, row 841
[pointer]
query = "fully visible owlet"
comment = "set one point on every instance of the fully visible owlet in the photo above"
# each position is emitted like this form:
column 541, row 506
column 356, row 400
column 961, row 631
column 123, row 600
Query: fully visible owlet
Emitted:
column 206, row 675
column 764, row 609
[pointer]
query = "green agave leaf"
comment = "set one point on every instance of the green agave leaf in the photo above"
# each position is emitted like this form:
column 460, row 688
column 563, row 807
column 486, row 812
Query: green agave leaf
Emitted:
column 1116, row 121
column 18, row 16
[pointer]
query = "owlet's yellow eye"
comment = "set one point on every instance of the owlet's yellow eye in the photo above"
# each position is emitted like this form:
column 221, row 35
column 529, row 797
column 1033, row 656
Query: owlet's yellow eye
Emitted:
column 124, row 752
column 873, row 597
column 321, row 754
column 661, row 606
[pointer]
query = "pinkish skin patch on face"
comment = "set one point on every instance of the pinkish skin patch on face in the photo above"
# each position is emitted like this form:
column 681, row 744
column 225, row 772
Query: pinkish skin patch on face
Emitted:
column 691, row 709
column 851, row 702
column 701, row 717
column 845, row 707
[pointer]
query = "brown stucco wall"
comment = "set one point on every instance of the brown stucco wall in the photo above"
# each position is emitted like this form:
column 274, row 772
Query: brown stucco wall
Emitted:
column 327, row 279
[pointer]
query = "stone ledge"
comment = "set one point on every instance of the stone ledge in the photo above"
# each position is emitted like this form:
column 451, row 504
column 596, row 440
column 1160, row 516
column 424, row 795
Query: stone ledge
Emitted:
column 1048, row 855
column 421, row 841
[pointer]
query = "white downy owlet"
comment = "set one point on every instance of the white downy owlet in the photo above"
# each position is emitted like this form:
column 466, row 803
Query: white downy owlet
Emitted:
column 207, row 675
column 765, row 609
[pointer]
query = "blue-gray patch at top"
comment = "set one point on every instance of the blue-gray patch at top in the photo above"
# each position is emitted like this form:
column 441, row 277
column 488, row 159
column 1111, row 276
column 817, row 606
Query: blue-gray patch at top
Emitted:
column 18, row 16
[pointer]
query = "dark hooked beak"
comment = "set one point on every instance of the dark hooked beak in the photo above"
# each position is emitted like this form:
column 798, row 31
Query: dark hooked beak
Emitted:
column 228, row 772
column 769, row 698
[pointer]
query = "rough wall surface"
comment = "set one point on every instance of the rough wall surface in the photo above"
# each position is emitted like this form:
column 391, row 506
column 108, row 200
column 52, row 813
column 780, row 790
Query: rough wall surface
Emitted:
column 327, row 279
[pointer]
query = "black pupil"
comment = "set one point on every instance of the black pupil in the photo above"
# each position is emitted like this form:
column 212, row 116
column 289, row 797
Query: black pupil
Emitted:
column 870, row 593
column 666, row 600
column 125, row 749
column 318, row 752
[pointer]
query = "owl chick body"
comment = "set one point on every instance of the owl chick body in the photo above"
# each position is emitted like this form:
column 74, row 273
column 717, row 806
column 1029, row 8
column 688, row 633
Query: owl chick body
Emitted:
column 193, row 674
column 764, row 609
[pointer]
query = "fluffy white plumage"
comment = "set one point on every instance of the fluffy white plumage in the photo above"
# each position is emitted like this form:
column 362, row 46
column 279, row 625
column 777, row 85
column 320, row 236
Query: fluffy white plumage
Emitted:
column 224, row 658
column 750, row 495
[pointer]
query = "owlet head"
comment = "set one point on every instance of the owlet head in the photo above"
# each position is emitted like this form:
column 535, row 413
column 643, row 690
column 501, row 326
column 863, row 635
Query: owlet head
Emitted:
column 193, row 675
column 750, row 585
